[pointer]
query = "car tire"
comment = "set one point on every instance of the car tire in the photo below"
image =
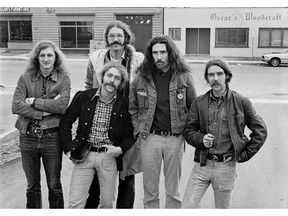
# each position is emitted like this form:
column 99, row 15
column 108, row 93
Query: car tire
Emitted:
column 274, row 62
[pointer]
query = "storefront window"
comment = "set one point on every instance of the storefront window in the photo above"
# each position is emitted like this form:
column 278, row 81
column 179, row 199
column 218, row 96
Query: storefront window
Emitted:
column 175, row 33
column 76, row 34
column 273, row 37
column 20, row 31
column 231, row 37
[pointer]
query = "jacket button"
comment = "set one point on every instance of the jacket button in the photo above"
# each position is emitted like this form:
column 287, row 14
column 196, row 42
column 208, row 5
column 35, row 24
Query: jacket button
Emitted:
column 83, row 138
column 88, row 109
column 111, row 128
column 85, row 123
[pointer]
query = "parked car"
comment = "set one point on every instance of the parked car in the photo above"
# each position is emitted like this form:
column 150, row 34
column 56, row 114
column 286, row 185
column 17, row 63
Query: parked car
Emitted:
column 275, row 58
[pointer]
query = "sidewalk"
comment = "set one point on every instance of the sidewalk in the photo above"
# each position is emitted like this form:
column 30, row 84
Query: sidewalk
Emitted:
column 188, row 58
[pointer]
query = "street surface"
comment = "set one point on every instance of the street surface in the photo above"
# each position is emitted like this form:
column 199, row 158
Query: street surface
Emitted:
column 260, row 183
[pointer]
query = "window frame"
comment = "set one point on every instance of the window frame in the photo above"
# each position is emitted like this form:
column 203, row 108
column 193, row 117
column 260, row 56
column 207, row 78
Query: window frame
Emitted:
column 172, row 32
column 270, row 37
column 21, row 28
column 226, row 42
column 76, row 25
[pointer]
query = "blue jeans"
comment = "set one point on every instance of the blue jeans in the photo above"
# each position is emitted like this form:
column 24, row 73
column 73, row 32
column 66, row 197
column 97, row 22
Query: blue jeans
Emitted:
column 221, row 176
column 47, row 147
column 154, row 149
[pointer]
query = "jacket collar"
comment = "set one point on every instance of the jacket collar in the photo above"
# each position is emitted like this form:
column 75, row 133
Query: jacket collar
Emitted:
column 37, row 75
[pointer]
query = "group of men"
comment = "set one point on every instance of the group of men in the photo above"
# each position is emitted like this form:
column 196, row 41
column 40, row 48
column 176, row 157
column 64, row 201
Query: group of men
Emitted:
column 164, row 112
column 137, row 112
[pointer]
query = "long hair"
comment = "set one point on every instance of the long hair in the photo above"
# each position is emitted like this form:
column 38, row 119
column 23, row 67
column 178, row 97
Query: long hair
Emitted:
column 120, row 68
column 176, row 61
column 60, row 60
column 129, row 36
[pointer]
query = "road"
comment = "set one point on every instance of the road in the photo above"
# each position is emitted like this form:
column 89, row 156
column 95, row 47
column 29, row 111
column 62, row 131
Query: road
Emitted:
column 260, row 183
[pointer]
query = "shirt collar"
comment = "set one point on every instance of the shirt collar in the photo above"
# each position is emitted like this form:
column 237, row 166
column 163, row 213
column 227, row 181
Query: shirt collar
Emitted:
column 97, row 94
column 53, row 74
column 212, row 97
column 109, row 57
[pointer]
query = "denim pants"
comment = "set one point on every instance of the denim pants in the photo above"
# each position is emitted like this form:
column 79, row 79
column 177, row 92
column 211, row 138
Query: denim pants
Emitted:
column 154, row 150
column 221, row 176
column 47, row 147
column 82, row 177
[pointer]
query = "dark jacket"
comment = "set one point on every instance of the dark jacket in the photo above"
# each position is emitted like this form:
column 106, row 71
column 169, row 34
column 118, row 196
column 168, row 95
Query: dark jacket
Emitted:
column 240, row 113
column 83, row 107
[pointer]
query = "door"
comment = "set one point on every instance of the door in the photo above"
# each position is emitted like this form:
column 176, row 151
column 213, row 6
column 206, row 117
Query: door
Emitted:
column 141, row 26
column 198, row 41
column 4, row 34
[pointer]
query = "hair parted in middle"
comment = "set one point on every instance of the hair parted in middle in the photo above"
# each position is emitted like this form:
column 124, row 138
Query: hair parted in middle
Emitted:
column 176, row 61
column 129, row 36
column 220, row 62
column 120, row 68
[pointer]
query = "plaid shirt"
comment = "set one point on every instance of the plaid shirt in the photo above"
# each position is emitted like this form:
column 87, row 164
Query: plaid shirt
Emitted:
column 99, row 131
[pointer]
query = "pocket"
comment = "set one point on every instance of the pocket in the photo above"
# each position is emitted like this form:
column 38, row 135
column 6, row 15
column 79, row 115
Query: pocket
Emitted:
column 109, row 163
column 142, row 99
column 227, row 179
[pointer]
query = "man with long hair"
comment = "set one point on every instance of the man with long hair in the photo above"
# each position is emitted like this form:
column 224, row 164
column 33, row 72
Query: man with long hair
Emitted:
column 160, row 97
column 118, row 48
column 40, row 99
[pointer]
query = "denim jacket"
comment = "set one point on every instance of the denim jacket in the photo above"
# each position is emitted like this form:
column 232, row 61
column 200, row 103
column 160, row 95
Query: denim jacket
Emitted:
column 142, row 102
column 240, row 113
column 55, row 101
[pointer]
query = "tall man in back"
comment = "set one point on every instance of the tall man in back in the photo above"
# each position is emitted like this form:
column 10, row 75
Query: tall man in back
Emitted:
column 118, row 48
column 160, row 97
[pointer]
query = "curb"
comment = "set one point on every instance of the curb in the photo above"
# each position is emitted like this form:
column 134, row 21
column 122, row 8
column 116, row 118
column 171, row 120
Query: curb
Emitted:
column 187, row 60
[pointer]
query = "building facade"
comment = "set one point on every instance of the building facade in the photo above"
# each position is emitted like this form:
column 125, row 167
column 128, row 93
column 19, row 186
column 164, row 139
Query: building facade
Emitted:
column 75, row 28
column 245, row 32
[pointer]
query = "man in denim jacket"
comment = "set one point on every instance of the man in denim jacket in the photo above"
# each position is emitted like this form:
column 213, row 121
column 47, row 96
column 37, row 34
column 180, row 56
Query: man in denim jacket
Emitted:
column 215, row 128
column 160, row 97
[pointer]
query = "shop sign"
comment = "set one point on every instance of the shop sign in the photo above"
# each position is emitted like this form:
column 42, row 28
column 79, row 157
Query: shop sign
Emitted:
column 248, row 16
column 14, row 9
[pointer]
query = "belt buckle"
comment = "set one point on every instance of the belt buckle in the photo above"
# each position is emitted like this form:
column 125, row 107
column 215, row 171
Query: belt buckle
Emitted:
column 165, row 133
column 38, row 131
column 214, row 158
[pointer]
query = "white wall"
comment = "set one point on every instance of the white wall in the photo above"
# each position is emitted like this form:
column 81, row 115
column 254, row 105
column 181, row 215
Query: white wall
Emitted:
column 252, row 18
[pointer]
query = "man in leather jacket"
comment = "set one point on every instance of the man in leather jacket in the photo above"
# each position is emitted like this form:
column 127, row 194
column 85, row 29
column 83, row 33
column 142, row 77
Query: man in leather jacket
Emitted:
column 215, row 128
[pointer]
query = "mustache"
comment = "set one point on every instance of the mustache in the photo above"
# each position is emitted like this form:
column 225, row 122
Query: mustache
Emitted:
column 116, row 42
column 216, row 82
column 159, row 61
column 110, row 84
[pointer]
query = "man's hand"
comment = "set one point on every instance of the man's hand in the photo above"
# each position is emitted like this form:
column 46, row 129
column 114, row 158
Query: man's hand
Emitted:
column 208, row 140
column 29, row 100
column 114, row 151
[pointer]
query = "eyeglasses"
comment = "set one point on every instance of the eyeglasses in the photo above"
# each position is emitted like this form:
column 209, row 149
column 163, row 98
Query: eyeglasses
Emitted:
column 113, row 36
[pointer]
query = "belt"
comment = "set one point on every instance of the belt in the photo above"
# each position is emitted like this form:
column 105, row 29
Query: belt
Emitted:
column 39, row 132
column 98, row 149
column 219, row 158
column 164, row 133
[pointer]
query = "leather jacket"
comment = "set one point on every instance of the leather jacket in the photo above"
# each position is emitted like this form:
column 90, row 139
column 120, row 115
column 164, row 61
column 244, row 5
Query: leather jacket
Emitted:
column 83, row 107
column 142, row 102
column 55, row 101
column 240, row 113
